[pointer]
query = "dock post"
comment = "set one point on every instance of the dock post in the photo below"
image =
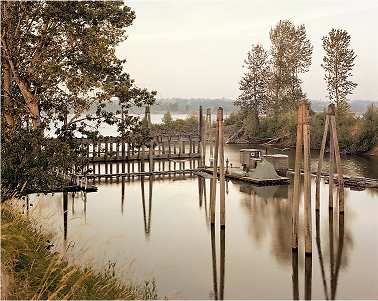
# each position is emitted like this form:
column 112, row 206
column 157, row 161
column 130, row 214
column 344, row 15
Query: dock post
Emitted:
column 214, row 179
column 208, row 112
column 150, row 148
column 221, row 169
column 307, row 182
column 338, row 161
column 320, row 163
column 331, row 170
column 297, row 175
column 204, row 138
column 200, row 133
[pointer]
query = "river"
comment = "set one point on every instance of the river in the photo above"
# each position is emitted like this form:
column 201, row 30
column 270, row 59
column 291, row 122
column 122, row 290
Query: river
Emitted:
column 160, row 229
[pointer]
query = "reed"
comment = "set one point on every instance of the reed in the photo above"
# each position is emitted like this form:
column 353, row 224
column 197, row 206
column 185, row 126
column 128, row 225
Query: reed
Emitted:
column 30, row 271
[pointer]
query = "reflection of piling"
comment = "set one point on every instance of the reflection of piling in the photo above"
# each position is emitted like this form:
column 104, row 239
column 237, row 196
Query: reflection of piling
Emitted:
column 308, row 277
column 339, row 254
column 222, row 261
column 123, row 194
column 317, row 223
column 295, row 279
column 65, row 212
column 214, row 260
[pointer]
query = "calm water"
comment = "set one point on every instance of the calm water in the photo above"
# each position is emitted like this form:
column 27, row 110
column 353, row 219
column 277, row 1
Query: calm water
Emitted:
column 160, row 229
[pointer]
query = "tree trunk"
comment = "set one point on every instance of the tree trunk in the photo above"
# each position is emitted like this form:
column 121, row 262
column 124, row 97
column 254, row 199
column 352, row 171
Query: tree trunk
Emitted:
column 7, row 88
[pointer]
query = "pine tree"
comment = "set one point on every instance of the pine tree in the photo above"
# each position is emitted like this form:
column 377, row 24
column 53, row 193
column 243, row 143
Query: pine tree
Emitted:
column 254, row 85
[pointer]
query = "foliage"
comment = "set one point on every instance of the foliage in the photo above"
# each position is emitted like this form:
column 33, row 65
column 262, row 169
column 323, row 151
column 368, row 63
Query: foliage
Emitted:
column 367, row 135
column 254, row 87
column 338, row 63
column 291, row 55
column 177, row 126
column 58, row 57
column 33, row 272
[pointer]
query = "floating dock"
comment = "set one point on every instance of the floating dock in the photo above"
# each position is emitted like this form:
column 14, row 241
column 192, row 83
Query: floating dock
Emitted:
column 249, row 179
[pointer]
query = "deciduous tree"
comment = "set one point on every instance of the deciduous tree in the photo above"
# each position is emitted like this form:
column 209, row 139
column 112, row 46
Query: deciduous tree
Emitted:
column 338, row 63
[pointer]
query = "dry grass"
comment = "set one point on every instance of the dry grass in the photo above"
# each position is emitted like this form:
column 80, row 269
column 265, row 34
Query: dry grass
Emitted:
column 30, row 272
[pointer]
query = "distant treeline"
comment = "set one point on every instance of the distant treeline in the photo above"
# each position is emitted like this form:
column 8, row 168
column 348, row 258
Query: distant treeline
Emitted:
column 186, row 105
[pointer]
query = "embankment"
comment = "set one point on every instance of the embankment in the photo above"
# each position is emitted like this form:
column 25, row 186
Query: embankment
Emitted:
column 30, row 271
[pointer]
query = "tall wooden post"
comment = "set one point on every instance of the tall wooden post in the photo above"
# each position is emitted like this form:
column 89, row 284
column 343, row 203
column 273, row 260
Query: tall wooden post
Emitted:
column 150, row 149
column 200, row 133
column 334, row 156
column 208, row 112
column 319, row 170
column 214, row 178
column 221, row 169
column 302, row 129
column 338, row 161
column 307, row 182
column 297, row 175
column 204, row 139
column 331, row 171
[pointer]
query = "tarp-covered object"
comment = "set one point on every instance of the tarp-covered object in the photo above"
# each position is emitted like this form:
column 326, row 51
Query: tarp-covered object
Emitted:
column 265, row 170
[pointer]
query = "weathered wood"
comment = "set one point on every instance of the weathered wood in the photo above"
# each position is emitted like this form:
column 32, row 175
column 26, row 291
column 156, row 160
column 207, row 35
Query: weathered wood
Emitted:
column 221, row 169
column 331, row 171
column 320, row 163
column 307, row 182
column 209, row 135
column 200, row 133
column 338, row 164
column 214, row 179
column 296, row 193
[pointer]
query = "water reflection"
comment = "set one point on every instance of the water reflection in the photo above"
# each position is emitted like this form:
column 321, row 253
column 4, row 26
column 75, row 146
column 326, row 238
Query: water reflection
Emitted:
column 259, row 237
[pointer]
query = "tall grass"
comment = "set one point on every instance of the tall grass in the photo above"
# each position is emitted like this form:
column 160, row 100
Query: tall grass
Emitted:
column 29, row 271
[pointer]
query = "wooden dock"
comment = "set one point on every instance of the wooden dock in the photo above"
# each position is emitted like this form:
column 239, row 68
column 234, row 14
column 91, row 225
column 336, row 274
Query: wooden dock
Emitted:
column 113, row 149
column 259, row 182
column 145, row 173
column 354, row 183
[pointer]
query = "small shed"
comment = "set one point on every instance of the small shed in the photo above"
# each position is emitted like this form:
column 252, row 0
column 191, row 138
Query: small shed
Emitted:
column 249, row 156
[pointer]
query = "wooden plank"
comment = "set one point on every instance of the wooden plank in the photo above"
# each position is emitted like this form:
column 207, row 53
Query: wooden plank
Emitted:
column 214, row 179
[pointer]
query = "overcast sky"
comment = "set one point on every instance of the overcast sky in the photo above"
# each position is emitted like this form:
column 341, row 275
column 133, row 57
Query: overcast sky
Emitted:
column 196, row 48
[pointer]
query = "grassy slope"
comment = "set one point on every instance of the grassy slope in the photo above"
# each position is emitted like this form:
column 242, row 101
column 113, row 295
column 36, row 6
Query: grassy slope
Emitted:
column 31, row 272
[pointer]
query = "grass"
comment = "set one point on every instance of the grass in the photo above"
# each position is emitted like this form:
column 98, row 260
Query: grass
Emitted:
column 30, row 272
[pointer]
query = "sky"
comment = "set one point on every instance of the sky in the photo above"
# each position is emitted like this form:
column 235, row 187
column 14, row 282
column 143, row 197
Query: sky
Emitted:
column 196, row 49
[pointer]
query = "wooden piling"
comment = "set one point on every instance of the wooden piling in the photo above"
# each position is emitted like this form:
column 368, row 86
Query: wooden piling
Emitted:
column 307, row 182
column 214, row 178
column 320, row 164
column 209, row 135
column 338, row 163
column 331, row 171
column 150, row 148
column 221, row 169
column 200, row 133
column 297, row 174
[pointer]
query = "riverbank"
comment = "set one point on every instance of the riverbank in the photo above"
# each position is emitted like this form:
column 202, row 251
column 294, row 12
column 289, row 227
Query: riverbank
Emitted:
column 29, row 270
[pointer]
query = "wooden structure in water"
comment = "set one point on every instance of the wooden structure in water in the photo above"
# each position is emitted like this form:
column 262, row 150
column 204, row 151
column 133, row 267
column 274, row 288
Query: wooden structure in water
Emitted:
column 108, row 149
column 334, row 154
column 303, row 138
